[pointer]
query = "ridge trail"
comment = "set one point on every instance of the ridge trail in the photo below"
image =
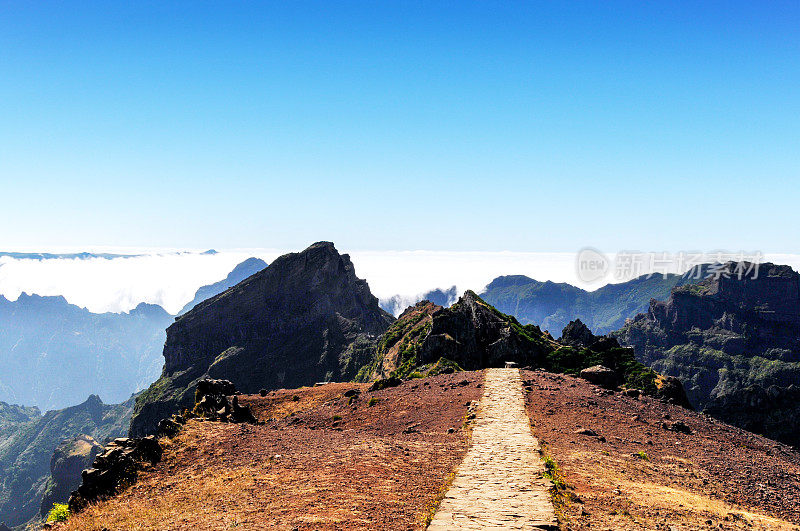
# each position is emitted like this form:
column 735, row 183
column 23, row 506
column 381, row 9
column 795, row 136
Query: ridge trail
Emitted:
column 499, row 484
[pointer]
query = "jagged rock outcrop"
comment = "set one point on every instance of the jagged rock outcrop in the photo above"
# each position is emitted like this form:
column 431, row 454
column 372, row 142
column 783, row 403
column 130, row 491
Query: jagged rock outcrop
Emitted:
column 734, row 342
column 217, row 400
column 114, row 469
column 304, row 319
column 475, row 335
column 70, row 458
column 468, row 335
column 427, row 339
column 577, row 334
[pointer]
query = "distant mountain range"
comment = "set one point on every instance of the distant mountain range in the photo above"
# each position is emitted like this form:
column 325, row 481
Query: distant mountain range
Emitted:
column 552, row 305
column 52, row 353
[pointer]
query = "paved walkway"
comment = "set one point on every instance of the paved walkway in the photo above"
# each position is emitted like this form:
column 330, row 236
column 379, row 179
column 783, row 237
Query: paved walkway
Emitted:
column 499, row 484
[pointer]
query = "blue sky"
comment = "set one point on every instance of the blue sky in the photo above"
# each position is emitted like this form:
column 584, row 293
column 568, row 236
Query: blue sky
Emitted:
column 414, row 125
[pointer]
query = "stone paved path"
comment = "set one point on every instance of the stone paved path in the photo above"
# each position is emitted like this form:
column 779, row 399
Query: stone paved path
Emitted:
column 499, row 484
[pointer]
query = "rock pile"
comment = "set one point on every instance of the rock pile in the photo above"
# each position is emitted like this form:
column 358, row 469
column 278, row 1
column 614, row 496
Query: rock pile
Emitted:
column 114, row 469
column 217, row 400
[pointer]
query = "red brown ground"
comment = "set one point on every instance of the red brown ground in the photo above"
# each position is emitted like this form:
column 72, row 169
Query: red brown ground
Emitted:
column 321, row 461
column 385, row 466
column 716, row 477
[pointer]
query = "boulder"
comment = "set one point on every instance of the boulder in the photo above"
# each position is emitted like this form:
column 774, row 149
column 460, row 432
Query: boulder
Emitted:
column 383, row 383
column 600, row 375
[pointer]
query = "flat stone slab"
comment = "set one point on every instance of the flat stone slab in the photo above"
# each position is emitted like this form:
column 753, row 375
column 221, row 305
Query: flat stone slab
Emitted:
column 499, row 485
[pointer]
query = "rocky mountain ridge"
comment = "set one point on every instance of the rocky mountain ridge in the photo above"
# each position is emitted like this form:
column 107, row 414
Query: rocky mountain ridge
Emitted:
column 304, row 319
column 734, row 342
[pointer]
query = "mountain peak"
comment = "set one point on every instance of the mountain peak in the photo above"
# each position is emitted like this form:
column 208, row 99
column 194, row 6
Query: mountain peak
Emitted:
column 306, row 318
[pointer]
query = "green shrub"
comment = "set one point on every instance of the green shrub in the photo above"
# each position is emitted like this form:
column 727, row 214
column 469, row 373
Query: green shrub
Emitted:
column 641, row 454
column 553, row 472
column 372, row 401
column 414, row 375
column 337, row 418
column 58, row 513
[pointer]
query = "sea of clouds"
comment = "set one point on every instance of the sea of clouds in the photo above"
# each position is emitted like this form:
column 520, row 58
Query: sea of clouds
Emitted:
column 170, row 278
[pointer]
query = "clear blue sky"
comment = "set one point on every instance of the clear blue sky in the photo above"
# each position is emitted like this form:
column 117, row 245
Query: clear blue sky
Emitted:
column 409, row 125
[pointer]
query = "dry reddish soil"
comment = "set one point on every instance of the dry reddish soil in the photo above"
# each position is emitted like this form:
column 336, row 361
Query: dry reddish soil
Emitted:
column 386, row 465
column 320, row 461
column 716, row 477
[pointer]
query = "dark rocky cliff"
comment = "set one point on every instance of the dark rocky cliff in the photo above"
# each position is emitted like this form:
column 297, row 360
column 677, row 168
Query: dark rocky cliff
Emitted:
column 70, row 458
column 735, row 343
column 306, row 318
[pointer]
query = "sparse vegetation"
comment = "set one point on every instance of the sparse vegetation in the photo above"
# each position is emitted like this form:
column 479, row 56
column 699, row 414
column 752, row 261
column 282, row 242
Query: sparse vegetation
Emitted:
column 560, row 493
column 641, row 454
column 337, row 418
column 372, row 401
column 569, row 360
column 553, row 473
column 59, row 513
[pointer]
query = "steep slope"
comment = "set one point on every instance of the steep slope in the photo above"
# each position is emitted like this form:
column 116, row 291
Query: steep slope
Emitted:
column 735, row 343
column 552, row 305
column 25, row 455
column 53, row 354
column 249, row 267
column 304, row 319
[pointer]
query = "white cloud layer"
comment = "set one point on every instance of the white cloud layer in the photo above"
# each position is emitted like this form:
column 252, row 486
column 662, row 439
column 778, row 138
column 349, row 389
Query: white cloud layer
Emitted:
column 170, row 278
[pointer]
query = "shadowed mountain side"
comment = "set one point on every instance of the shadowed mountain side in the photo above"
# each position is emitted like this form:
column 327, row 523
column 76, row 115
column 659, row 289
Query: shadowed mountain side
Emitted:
column 306, row 318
